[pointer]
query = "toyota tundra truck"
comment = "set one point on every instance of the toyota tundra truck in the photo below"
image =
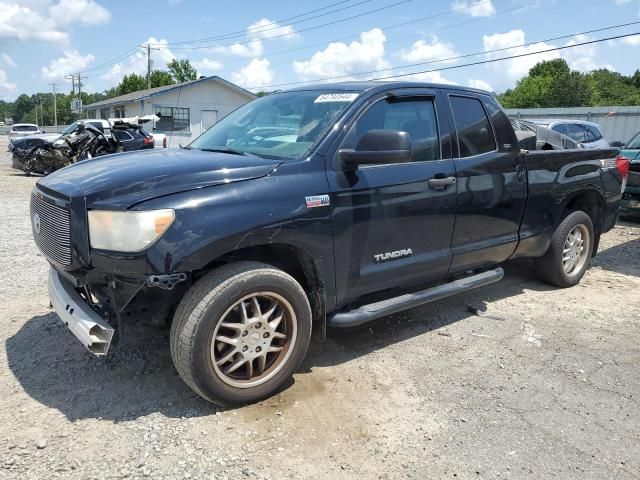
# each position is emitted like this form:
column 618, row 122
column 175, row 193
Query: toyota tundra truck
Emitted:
column 319, row 207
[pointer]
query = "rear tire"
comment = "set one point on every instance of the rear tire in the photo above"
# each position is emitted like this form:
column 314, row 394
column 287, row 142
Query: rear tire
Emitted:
column 240, row 332
column 569, row 254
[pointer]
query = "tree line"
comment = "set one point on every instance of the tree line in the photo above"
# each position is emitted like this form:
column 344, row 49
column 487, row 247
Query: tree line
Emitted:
column 26, row 108
column 553, row 84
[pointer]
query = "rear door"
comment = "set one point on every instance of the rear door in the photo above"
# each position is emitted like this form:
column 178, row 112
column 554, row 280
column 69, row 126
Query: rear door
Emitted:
column 491, row 183
column 391, row 228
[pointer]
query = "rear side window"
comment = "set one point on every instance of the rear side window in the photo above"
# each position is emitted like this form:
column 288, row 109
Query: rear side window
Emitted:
column 414, row 115
column 98, row 125
column 25, row 128
column 576, row 132
column 474, row 130
column 560, row 128
column 593, row 134
column 122, row 135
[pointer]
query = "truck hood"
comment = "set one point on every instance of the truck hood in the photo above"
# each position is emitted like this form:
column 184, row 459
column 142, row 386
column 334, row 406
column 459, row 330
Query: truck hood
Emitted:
column 122, row 180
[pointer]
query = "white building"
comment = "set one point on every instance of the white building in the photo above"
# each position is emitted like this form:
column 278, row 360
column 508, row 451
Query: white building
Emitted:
column 185, row 110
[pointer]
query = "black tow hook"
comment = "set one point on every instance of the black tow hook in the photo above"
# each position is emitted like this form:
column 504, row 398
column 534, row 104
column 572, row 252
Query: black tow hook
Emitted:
column 166, row 282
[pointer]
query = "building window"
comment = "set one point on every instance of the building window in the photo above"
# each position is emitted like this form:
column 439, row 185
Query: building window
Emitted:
column 118, row 112
column 91, row 113
column 104, row 113
column 172, row 119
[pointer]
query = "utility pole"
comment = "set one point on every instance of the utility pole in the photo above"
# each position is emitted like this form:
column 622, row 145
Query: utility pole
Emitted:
column 149, row 63
column 55, row 106
column 80, row 96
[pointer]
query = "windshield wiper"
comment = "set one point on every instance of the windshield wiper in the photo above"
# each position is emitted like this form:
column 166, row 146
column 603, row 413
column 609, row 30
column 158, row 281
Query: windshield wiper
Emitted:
column 224, row 150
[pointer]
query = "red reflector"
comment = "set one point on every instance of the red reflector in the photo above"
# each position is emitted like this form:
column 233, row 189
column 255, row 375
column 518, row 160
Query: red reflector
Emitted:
column 148, row 140
column 622, row 164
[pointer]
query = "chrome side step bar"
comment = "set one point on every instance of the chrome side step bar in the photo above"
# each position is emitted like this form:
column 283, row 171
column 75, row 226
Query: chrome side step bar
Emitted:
column 383, row 308
column 87, row 326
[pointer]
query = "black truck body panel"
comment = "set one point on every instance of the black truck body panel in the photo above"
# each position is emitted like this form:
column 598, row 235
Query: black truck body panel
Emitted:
column 504, row 204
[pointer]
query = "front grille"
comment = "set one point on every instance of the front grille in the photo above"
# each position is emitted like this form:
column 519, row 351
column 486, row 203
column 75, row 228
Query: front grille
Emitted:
column 53, row 234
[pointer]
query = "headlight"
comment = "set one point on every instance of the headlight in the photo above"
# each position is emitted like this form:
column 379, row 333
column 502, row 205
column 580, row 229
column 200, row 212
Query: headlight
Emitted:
column 129, row 231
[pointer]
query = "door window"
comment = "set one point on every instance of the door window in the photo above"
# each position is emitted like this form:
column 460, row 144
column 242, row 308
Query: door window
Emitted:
column 474, row 130
column 576, row 132
column 122, row 135
column 593, row 134
column 560, row 128
column 416, row 116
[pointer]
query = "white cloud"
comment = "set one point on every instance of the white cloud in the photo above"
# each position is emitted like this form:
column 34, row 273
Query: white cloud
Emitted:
column 263, row 29
column 481, row 84
column 583, row 58
column 475, row 8
column 161, row 54
column 340, row 59
column 430, row 77
column 256, row 74
column 251, row 49
column 207, row 65
column 73, row 12
column 266, row 29
column 71, row 62
column 48, row 21
column 7, row 88
column 515, row 68
column 421, row 51
column 8, row 61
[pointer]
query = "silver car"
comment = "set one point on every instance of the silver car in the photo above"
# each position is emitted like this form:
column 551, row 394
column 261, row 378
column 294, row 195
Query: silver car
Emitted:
column 24, row 129
column 588, row 134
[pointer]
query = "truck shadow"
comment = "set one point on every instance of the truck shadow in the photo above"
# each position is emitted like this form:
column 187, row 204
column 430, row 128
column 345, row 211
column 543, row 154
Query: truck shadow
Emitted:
column 138, row 377
column 622, row 258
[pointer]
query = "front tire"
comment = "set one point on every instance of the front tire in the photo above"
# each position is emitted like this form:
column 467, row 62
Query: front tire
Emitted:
column 569, row 254
column 240, row 333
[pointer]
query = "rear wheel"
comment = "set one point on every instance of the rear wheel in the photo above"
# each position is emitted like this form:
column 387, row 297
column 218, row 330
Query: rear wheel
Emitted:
column 569, row 254
column 241, row 332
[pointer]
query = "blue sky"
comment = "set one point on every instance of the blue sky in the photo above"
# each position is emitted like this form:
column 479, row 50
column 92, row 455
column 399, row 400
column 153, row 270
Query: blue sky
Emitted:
column 253, row 44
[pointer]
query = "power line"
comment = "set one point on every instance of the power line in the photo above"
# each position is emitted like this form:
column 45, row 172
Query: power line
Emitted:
column 315, row 27
column 453, row 67
column 387, row 41
column 274, row 25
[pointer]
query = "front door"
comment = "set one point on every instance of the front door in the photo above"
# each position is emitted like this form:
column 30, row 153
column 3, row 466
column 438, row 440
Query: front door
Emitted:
column 391, row 228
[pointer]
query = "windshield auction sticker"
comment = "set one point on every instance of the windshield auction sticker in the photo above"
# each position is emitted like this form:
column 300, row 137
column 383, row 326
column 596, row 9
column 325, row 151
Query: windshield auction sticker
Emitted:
column 336, row 97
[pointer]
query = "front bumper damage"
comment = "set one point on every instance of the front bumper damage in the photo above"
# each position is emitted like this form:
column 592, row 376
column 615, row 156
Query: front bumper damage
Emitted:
column 85, row 324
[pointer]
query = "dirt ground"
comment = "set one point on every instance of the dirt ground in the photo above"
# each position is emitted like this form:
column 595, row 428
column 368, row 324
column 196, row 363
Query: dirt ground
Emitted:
column 546, row 384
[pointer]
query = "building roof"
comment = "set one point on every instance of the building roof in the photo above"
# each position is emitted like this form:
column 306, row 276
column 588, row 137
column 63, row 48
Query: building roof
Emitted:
column 149, row 92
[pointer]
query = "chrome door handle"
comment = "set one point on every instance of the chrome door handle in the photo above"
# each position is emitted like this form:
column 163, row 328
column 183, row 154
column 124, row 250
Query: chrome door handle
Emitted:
column 441, row 183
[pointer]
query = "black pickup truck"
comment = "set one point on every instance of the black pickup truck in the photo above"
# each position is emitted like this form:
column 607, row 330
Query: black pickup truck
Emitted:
column 325, row 206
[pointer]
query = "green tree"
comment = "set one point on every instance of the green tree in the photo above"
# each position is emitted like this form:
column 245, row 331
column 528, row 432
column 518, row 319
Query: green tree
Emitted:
column 612, row 88
column 550, row 84
column 132, row 83
column 636, row 79
column 159, row 78
column 181, row 70
column 22, row 107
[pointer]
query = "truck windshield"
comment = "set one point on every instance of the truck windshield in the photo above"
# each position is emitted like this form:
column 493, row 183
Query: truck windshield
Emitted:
column 282, row 125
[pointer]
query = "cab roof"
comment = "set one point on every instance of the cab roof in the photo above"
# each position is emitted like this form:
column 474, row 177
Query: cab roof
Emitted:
column 367, row 86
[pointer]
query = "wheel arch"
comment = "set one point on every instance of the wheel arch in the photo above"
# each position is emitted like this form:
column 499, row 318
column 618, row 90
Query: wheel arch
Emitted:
column 291, row 259
column 593, row 204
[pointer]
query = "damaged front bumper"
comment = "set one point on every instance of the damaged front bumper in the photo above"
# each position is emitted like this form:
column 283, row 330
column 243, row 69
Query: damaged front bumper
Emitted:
column 87, row 326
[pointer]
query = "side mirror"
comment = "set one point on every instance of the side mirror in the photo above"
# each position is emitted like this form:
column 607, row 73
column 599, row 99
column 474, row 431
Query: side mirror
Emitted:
column 378, row 147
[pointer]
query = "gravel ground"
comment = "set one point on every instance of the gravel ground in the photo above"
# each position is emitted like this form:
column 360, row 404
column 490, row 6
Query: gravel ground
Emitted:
column 544, row 384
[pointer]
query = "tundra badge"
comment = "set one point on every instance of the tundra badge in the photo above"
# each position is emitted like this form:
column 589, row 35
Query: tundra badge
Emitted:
column 383, row 257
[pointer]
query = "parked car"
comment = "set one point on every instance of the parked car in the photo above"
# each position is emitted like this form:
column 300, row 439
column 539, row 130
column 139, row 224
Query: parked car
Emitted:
column 159, row 139
column 631, row 197
column 132, row 137
column 588, row 134
column 384, row 197
column 24, row 129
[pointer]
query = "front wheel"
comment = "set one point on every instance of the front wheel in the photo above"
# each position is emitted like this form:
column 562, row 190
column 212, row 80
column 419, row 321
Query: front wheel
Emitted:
column 240, row 333
column 569, row 254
